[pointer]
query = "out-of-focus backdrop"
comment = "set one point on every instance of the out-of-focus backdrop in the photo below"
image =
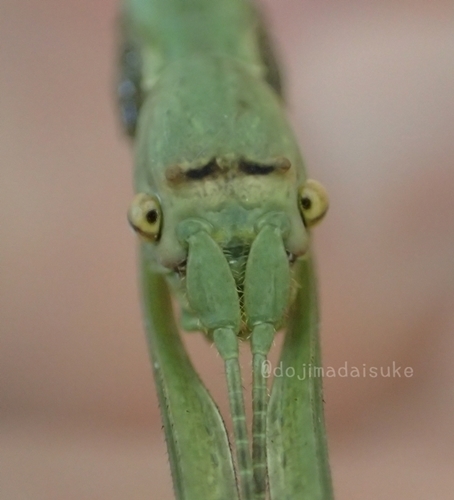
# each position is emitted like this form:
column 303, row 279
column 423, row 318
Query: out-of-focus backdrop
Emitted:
column 371, row 90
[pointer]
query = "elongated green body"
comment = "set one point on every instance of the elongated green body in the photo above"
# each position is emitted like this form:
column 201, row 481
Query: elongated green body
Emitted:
column 224, row 208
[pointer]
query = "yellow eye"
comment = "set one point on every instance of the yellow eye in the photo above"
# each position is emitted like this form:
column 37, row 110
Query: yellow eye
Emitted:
column 145, row 216
column 313, row 202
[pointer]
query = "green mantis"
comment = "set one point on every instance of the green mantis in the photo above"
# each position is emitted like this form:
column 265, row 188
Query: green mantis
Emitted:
column 223, row 210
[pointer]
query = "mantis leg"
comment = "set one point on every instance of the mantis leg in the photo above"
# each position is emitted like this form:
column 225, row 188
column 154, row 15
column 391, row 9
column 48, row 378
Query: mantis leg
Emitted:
column 262, row 338
column 266, row 295
column 226, row 342
column 218, row 308
column 129, row 92
column 295, row 423
column 196, row 437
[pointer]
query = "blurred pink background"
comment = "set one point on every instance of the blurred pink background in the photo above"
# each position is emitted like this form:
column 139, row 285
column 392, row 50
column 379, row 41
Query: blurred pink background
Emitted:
column 371, row 91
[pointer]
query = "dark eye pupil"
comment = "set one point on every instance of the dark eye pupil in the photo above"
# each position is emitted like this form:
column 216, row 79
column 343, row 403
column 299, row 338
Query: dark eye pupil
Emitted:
column 152, row 216
column 306, row 203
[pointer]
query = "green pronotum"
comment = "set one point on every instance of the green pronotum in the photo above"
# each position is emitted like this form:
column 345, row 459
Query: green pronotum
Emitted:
column 223, row 208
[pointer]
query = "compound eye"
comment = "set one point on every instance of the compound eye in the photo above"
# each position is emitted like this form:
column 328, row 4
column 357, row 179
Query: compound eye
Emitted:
column 145, row 217
column 313, row 202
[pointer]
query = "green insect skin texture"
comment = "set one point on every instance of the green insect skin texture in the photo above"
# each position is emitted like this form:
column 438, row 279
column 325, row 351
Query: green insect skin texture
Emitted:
column 197, row 443
column 206, row 103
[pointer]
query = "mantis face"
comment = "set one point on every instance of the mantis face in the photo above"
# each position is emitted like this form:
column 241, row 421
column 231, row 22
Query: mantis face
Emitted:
column 217, row 246
column 222, row 190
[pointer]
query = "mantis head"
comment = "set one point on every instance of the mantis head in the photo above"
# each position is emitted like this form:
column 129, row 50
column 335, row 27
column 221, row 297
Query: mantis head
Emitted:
column 236, row 263
column 223, row 202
